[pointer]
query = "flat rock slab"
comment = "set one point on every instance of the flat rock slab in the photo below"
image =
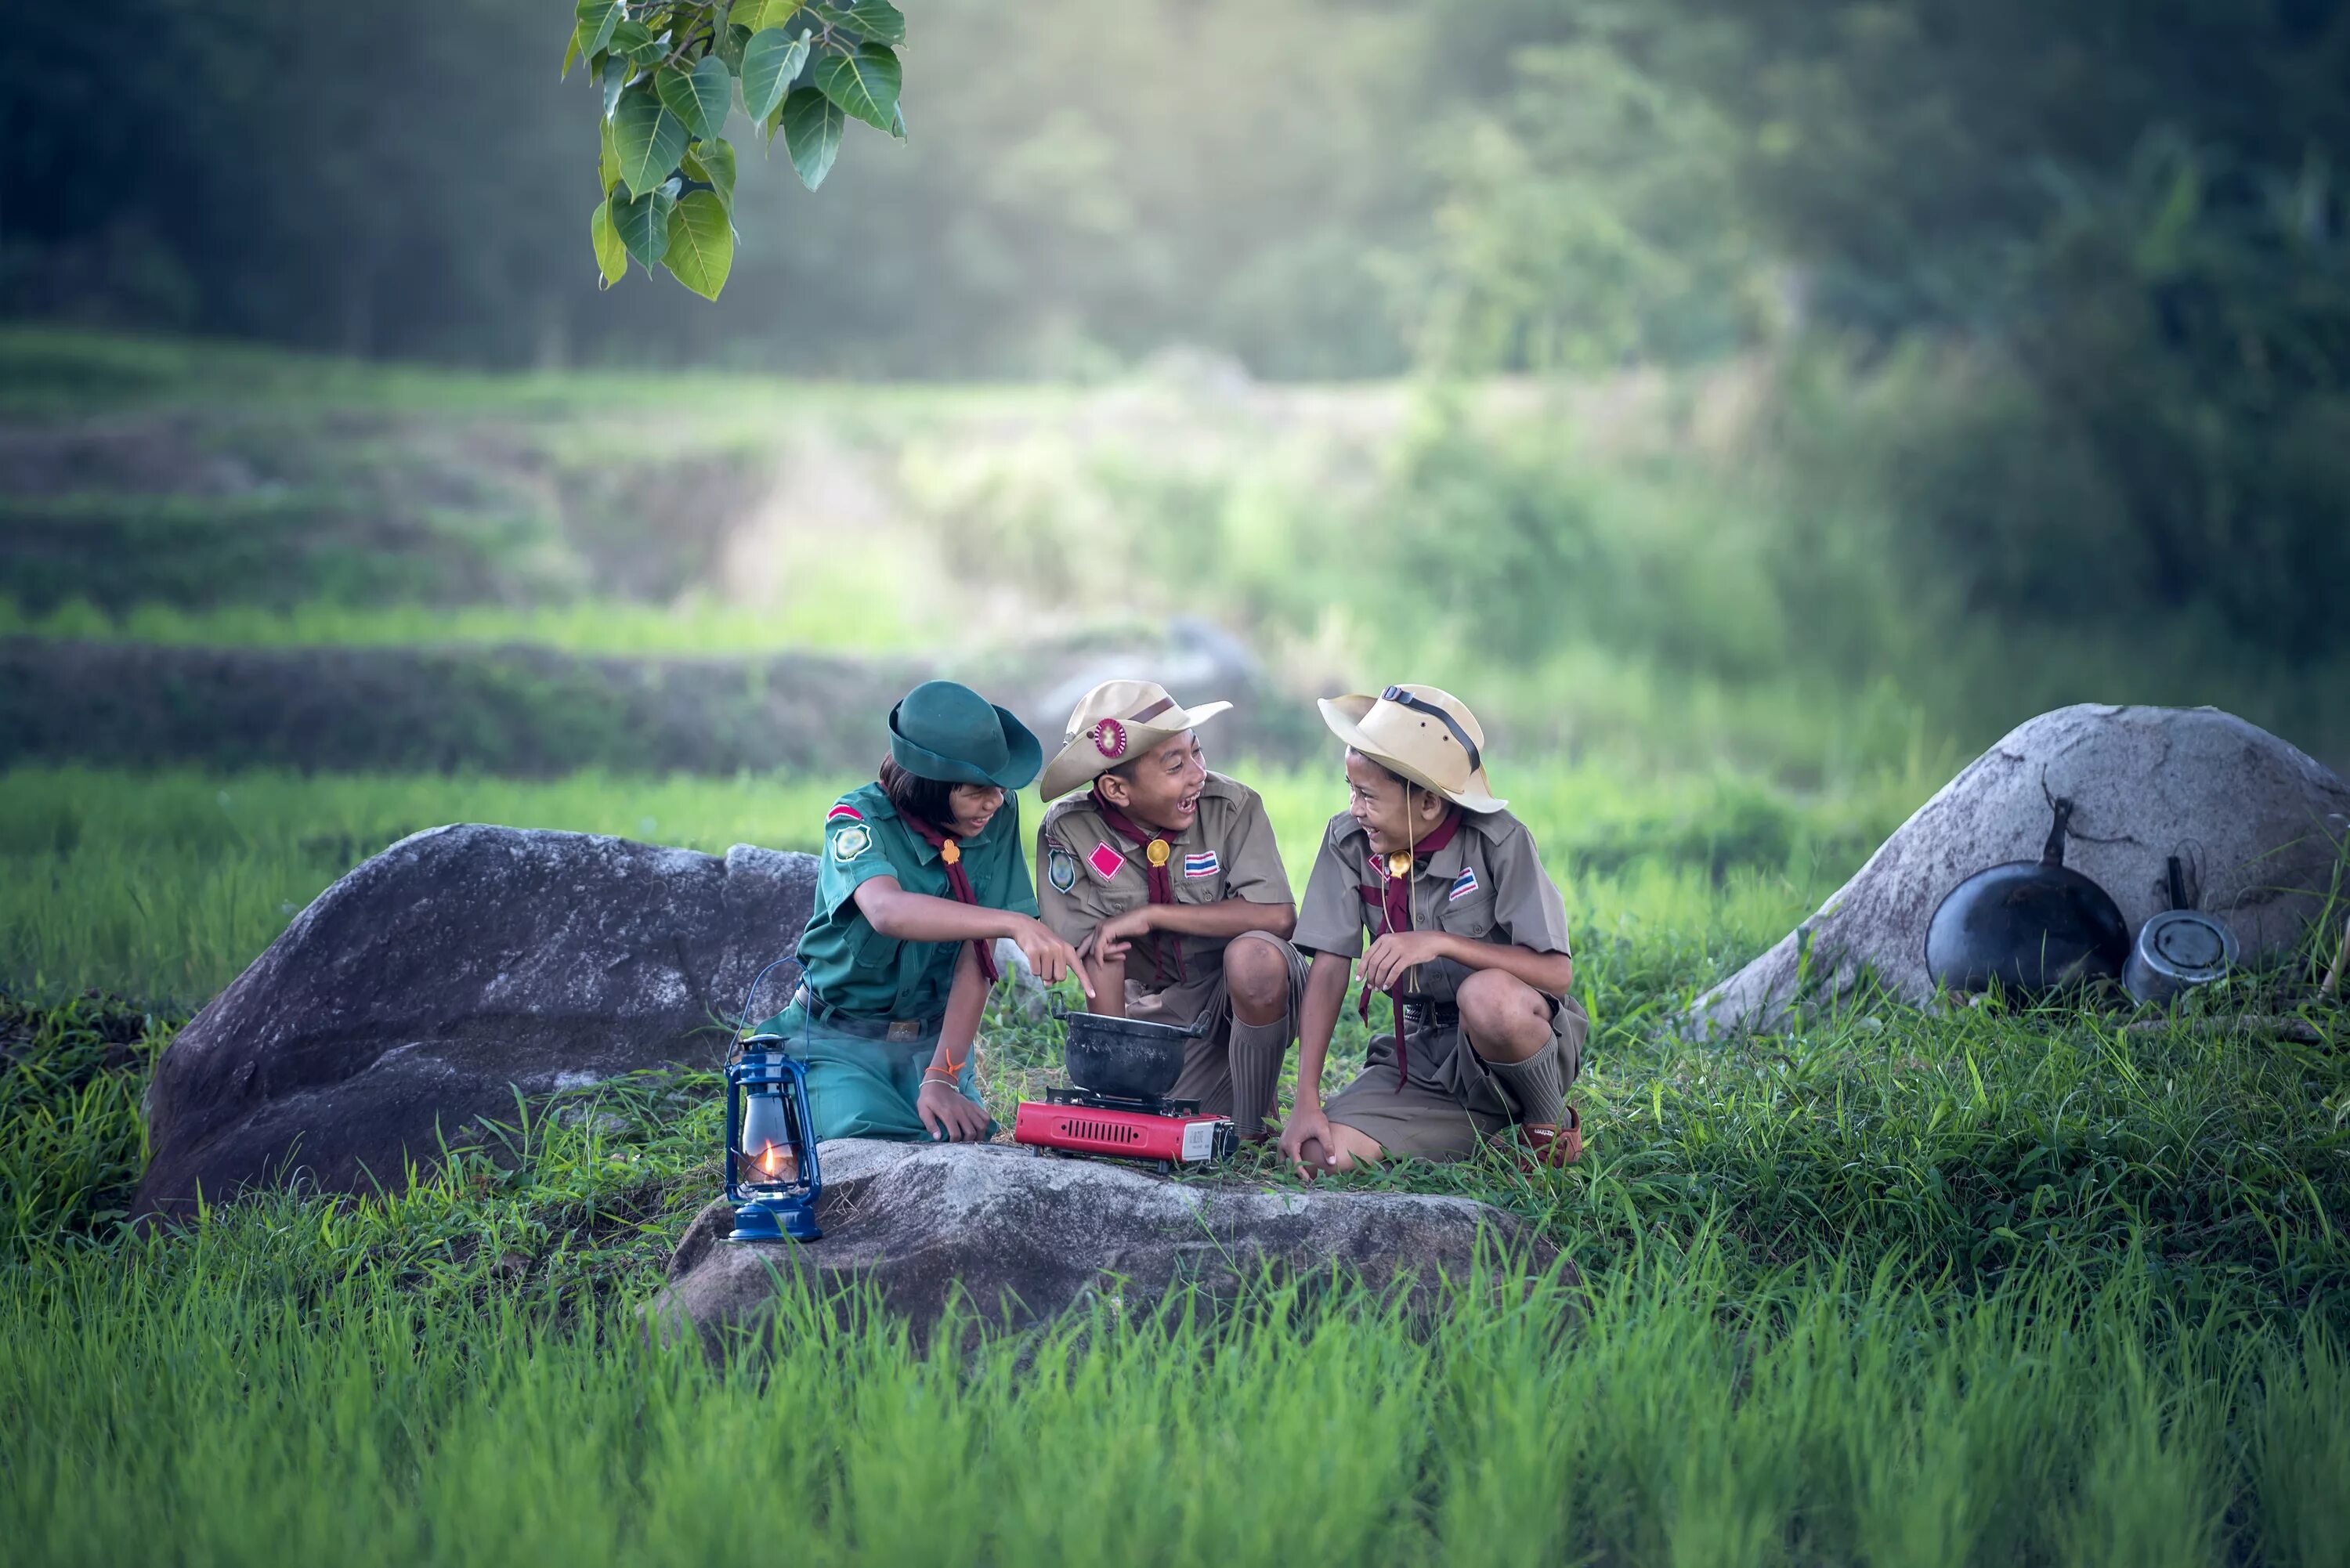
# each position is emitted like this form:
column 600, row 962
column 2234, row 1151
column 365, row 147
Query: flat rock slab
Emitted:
column 461, row 967
column 1019, row 1239
column 2265, row 823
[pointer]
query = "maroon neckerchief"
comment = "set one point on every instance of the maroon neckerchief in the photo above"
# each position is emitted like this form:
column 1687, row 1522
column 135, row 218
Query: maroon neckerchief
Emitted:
column 957, row 883
column 1161, row 881
column 1392, row 899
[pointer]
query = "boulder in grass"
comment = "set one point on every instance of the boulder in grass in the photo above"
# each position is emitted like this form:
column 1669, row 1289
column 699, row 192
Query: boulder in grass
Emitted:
column 462, row 966
column 1017, row 1239
column 2263, row 825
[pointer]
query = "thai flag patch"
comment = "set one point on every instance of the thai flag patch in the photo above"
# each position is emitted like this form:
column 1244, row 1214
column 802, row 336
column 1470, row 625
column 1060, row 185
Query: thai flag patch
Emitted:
column 1462, row 885
column 1104, row 861
column 844, row 809
column 1202, row 864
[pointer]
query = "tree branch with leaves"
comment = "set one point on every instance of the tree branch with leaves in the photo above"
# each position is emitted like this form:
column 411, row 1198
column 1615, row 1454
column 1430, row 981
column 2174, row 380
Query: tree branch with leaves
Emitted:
column 670, row 72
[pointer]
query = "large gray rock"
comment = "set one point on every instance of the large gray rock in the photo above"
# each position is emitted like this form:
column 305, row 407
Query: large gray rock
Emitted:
column 2267, row 825
column 421, row 992
column 1021, row 1239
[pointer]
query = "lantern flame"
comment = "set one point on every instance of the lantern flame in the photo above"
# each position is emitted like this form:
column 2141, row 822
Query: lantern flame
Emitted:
column 776, row 1162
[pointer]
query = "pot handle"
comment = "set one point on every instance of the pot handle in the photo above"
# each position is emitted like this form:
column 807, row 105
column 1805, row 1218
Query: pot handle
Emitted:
column 1061, row 1012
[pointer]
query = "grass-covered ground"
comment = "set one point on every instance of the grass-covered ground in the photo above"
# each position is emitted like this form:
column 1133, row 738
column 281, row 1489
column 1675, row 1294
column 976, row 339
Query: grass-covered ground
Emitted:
column 1888, row 1288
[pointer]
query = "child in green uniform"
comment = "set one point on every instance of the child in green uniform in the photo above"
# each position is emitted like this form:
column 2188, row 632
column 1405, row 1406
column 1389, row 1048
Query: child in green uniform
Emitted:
column 922, row 871
column 1469, row 942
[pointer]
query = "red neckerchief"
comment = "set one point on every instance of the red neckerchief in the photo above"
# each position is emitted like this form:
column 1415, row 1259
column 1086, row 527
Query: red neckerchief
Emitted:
column 1159, row 880
column 957, row 883
column 1392, row 897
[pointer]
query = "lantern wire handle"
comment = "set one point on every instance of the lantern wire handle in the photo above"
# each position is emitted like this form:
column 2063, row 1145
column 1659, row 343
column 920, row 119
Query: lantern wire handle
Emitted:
column 743, row 1021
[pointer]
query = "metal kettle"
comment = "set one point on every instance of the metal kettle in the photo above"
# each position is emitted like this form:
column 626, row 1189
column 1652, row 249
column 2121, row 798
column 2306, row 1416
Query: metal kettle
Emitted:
column 2179, row 949
column 2030, row 927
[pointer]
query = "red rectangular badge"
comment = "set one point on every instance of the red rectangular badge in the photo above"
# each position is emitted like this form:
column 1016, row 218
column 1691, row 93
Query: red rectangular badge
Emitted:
column 843, row 809
column 1104, row 861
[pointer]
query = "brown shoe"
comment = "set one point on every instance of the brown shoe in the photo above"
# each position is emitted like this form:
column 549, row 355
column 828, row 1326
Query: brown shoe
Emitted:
column 1545, row 1147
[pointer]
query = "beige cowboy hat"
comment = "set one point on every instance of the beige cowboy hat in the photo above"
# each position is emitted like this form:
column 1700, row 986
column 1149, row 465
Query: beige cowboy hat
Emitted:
column 1116, row 721
column 1426, row 734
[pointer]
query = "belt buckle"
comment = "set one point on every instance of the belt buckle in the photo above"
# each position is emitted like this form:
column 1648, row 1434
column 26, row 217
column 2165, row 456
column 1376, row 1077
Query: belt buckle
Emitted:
column 905, row 1029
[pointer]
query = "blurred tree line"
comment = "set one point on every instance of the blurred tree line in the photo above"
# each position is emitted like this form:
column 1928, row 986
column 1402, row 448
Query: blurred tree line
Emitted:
column 2053, row 301
column 1082, row 184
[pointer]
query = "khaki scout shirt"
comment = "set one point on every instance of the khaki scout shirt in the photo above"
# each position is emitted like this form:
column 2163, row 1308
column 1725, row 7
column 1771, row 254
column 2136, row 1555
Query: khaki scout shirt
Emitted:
column 1086, row 874
column 1487, row 885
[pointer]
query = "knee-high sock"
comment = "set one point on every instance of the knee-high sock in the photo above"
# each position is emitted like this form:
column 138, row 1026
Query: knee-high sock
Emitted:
column 1257, row 1050
column 1537, row 1084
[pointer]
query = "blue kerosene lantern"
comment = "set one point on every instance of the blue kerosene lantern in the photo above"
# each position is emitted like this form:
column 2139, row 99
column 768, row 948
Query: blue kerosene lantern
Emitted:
column 771, row 1167
column 771, row 1171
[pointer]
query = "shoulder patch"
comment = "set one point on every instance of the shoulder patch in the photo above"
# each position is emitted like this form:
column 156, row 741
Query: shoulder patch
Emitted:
column 1462, row 885
column 1205, row 865
column 848, row 842
column 1107, row 862
column 1061, row 868
column 843, row 810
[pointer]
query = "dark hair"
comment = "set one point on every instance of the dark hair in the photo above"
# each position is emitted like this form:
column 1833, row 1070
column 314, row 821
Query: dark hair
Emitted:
column 1407, row 785
column 932, row 800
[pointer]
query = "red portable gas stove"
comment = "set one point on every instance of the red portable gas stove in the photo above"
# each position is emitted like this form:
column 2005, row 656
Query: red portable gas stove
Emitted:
column 1154, row 1131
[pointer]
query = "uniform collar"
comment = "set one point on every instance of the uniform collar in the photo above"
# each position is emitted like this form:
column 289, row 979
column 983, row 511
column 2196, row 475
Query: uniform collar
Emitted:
column 1192, row 835
column 875, row 803
column 1445, row 863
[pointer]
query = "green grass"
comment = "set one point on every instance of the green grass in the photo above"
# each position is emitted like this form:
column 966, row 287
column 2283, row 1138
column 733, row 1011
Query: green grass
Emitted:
column 696, row 626
column 164, row 887
column 1892, row 1288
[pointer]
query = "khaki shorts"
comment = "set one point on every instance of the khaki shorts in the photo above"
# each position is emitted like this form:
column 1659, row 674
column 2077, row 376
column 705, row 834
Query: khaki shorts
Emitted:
column 1207, row 1074
column 1423, row 1120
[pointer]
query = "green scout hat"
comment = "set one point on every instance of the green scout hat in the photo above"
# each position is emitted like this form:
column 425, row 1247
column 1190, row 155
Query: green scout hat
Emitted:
column 943, row 729
column 1426, row 734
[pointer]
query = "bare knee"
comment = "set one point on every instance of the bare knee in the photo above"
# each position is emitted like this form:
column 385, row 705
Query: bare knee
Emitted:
column 1350, row 1147
column 1257, row 975
column 1506, row 1018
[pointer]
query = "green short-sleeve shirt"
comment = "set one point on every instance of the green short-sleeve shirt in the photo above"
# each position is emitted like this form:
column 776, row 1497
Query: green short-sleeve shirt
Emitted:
column 854, row 968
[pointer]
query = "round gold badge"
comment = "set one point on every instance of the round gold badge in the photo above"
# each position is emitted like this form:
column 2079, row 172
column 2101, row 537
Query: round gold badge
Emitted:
column 1400, row 864
column 951, row 852
column 1156, row 852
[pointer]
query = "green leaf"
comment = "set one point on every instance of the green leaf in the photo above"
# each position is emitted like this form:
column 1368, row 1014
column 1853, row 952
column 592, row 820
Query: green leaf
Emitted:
column 615, row 76
column 898, row 120
column 864, row 83
column 730, row 46
column 770, row 61
column 713, row 163
column 608, row 159
column 570, row 56
column 642, row 223
column 636, row 41
column 597, row 18
column 701, row 244
column 759, row 15
column 649, row 137
column 699, row 96
column 612, row 255
column 876, row 19
column 812, row 127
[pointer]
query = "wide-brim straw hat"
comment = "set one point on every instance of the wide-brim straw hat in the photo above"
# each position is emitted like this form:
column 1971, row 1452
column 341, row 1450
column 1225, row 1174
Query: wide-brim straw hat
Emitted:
column 1113, row 723
column 1426, row 734
column 943, row 729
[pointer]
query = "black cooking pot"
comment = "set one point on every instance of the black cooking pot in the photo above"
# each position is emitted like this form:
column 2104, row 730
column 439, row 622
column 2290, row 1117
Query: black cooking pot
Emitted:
column 2029, row 925
column 1128, row 1058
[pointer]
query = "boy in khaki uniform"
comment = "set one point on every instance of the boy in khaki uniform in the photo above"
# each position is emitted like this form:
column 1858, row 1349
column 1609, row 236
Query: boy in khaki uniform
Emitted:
column 1470, row 942
column 1166, row 880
